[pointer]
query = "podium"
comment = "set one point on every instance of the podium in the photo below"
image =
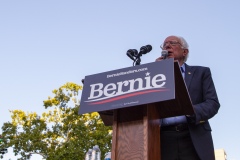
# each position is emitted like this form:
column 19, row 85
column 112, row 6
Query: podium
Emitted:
column 136, row 128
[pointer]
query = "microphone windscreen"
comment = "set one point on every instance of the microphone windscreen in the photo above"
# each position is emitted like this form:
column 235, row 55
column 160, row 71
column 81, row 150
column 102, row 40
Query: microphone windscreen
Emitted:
column 164, row 54
column 145, row 49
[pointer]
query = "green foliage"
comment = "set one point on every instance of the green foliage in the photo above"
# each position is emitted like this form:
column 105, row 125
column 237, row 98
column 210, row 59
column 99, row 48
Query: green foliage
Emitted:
column 2, row 150
column 59, row 133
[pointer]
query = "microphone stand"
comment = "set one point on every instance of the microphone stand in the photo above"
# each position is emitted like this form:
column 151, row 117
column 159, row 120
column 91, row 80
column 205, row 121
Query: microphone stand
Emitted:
column 138, row 59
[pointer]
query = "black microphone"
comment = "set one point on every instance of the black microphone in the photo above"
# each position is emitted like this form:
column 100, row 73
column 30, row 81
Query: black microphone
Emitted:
column 145, row 49
column 164, row 54
column 131, row 53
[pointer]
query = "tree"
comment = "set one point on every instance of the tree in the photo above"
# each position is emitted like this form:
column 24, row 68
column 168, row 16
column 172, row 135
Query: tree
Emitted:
column 2, row 149
column 59, row 133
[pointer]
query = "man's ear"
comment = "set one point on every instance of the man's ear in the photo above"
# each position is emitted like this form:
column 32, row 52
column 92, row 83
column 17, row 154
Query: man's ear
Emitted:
column 185, row 52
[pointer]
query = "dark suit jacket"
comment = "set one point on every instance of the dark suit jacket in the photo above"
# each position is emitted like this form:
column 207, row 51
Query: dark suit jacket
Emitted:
column 205, row 104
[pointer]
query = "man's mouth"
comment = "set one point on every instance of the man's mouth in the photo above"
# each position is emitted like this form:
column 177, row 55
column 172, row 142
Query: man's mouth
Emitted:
column 170, row 53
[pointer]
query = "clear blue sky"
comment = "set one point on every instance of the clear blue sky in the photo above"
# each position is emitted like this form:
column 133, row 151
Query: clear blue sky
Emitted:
column 44, row 44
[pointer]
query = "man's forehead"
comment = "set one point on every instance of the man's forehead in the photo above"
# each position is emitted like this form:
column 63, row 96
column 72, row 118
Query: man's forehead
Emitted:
column 171, row 38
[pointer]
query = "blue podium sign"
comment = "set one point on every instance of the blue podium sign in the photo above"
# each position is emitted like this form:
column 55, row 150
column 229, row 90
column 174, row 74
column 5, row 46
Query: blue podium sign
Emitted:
column 126, row 87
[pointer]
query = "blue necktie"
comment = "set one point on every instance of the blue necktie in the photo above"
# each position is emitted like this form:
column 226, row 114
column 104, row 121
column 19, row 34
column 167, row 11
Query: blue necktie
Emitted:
column 182, row 69
column 183, row 72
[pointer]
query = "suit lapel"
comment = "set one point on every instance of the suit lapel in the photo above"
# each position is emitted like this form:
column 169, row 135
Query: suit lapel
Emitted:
column 188, row 75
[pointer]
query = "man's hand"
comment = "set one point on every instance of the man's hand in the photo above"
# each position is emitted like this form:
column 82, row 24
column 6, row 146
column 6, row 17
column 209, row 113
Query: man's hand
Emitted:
column 159, row 59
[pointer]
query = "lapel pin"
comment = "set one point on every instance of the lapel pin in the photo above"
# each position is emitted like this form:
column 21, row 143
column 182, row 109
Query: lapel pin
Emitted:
column 189, row 72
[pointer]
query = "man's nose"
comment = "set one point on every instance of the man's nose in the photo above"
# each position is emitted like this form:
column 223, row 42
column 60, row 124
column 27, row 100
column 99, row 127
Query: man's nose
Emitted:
column 167, row 45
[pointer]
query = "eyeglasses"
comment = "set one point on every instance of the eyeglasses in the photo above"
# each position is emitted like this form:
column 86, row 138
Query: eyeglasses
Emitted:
column 172, row 43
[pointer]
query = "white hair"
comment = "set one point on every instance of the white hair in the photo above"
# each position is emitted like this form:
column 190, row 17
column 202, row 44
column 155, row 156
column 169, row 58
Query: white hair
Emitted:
column 184, row 45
